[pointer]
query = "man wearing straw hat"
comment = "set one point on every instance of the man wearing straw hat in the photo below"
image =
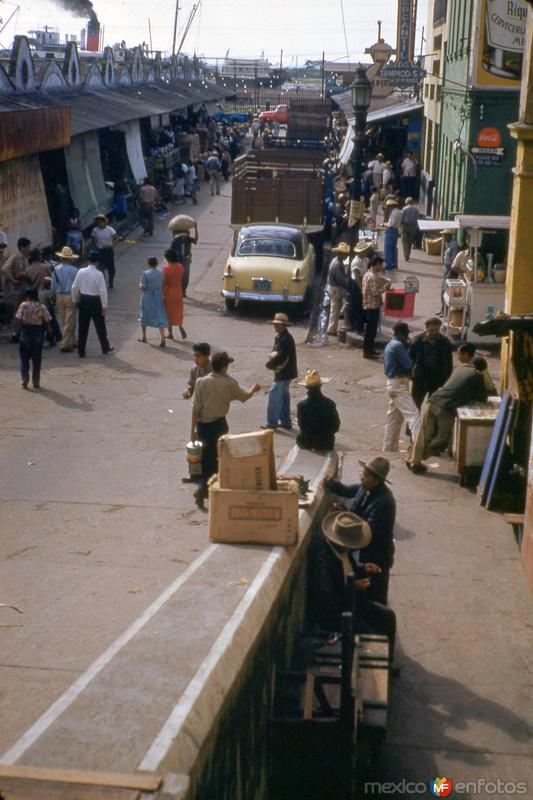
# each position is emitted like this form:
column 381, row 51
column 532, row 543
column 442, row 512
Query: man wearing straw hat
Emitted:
column 318, row 418
column 355, row 315
column 337, row 285
column 334, row 560
column 373, row 501
column 63, row 277
column 282, row 361
column 392, row 232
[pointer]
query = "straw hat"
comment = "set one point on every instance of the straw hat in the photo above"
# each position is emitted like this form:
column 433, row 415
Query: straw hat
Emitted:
column 448, row 232
column 312, row 378
column 344, row 529
column 362, row 247
column 280, row 319
column 391, row 202
column 67, row 254
column 102, row 217
column 379, row 467
column 343, row 248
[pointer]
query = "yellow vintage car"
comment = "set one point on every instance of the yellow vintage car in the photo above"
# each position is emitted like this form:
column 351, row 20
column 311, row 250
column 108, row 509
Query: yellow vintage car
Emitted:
column 268, row 263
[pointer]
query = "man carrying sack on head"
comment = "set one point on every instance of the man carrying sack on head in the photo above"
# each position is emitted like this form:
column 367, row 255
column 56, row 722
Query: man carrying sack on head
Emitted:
column 282, row 361
column 373, row 501
column 338, row 284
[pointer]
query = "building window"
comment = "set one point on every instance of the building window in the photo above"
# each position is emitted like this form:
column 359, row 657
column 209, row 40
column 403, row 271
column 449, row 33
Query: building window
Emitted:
column 439, row 12
column 432, row 92
column 426, row 90
column 437, row 42
column 436, row 67
column 438, row 95
column 429, row 146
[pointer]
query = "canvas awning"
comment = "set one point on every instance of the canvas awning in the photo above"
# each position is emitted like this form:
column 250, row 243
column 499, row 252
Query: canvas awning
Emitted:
column 85, row 176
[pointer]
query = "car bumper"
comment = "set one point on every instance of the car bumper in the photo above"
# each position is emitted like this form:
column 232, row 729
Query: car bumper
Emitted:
column 264, row 297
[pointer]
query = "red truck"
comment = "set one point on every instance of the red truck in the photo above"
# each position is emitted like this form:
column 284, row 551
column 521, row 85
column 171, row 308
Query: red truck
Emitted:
column 280, row 114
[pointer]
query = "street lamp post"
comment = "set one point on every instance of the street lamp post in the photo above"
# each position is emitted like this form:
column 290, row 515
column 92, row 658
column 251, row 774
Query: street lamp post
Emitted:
column 361, row 91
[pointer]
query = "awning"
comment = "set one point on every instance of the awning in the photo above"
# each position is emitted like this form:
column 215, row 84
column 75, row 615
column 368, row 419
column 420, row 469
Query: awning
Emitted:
column 347, row 146
column 431, row 225
column 132, row 131
column 92, row 109
column 85, row 176
column 398, row 110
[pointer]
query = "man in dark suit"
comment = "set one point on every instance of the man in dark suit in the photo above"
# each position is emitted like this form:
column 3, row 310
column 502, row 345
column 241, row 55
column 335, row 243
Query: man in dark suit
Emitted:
column 374, row 502
column 318, row 418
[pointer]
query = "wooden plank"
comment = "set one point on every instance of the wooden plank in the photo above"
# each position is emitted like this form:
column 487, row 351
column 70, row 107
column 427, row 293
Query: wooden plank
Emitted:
column 514, row 519
column 20, row 789
column 147, row 781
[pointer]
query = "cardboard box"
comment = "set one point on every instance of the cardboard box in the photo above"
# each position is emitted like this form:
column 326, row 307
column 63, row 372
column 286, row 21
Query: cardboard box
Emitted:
column 248, row 517
column 246, row 461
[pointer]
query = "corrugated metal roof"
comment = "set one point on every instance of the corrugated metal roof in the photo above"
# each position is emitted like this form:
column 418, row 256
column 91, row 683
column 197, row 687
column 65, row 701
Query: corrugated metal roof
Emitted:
column 92, row 109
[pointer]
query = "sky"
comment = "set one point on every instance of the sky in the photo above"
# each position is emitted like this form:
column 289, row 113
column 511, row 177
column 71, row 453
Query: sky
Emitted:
column 302, row 28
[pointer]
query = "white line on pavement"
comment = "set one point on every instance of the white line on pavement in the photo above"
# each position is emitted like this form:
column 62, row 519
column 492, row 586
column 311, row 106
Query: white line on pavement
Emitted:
column 182, row 709
column 15, row 752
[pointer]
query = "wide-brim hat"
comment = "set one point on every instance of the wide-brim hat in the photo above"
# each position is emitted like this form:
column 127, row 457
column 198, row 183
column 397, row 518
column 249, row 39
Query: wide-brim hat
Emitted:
column 347, row 530
column 67, row 254
column 280, row 319
column 313, row 378
column 447, row 232
column 102, row 217
column 342, row 247
column 362, row 247
column 378, row 466
column 391, row 202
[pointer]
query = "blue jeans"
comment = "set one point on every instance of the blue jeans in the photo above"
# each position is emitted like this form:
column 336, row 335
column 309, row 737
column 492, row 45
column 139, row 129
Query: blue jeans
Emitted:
column 30, row 352
column 391, row 248
column 279, row 405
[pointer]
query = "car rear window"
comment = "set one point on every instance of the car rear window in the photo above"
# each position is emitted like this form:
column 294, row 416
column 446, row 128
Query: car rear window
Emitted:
column 280, row 248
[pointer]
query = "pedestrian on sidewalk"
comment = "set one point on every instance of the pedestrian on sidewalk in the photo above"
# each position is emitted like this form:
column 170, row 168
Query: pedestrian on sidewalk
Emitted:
column 337, row 285
column 410, row 217
column 318, row 418
column 374, row 207
column 465, row 385
column 213, row 167
column 392, row 232
column 147, row 200
column 211, row 402
column 152, row 308
column 173, row 275
column 354, row 315
column 282, row 361
column 398, row 366
column 39, row 275
column 14, row 274
column 63, row 277
column 378, row 168
column 408, row 175
column 432, row 355
column 89, row 294
column 104, row 239
column 202, row 366
column 374, row 502
column 74, row 237
column 33, row 318
column 374, row 284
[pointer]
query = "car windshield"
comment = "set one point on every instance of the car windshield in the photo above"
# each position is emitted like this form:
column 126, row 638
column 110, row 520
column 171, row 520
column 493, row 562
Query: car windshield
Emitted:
column 266, row 246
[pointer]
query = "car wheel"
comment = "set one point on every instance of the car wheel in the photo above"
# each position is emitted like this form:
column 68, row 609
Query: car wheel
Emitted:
column 230, row 304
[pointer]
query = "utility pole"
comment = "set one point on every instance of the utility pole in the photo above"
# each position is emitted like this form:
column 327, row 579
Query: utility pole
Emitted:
column 175, row 28
column 150, row 35
column 281, row 60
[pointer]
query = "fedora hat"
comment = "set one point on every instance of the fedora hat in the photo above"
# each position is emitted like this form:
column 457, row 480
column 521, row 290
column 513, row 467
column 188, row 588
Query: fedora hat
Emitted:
column 280, row 319
column 342, row 247
column 378, row 466
column 362, row 247
column 67, row 254
column 344, row 529
column 312, row 378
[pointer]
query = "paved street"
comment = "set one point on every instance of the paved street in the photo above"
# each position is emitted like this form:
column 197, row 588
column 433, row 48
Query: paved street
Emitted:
column 96, row 523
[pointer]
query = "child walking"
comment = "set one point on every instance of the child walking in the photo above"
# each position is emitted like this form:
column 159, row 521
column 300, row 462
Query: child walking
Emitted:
column 33, row 318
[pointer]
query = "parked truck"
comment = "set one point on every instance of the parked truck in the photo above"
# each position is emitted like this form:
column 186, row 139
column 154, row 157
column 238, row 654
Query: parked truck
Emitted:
column 281, row 184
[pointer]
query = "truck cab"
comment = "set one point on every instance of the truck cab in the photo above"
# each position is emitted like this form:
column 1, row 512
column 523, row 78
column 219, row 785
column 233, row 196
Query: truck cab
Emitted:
column 280, row 114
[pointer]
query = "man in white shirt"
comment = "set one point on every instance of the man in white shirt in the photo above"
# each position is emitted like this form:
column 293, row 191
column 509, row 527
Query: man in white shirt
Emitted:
column 89, row 293
column 378, row 168
column 392, row 232
column 409, row 175
column 104, row 238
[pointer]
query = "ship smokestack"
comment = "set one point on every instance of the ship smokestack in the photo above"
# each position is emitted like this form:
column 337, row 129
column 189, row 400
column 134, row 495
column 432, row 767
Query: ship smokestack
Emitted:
column 84, row 8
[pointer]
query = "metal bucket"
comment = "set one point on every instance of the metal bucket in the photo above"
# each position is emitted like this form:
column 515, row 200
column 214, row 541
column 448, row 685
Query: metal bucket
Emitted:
column 194, row 458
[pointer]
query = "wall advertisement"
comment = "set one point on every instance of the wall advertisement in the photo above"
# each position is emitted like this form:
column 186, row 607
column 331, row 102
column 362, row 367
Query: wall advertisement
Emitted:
column 501, row 27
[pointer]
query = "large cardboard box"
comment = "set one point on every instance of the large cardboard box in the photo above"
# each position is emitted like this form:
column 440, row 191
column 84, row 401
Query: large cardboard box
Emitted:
column 246, row 461
column 266, row 517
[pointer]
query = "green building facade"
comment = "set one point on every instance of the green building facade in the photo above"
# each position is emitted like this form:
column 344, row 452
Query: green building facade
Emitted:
column 476, row 155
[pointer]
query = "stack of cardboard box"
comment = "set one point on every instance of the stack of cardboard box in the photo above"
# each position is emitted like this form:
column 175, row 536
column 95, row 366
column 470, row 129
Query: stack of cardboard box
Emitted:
column 246, row 502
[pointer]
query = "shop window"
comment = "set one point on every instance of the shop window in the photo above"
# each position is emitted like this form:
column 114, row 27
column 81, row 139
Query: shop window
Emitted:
column 432, row 92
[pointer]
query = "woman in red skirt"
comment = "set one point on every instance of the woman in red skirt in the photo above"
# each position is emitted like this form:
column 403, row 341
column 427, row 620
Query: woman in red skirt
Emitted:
column 173, row 274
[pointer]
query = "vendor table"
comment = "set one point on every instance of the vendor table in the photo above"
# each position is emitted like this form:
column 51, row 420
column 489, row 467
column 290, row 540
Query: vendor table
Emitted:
column 473, row 429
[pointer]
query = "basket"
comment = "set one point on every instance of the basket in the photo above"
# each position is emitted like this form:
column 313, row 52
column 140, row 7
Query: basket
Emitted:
column 433, row 246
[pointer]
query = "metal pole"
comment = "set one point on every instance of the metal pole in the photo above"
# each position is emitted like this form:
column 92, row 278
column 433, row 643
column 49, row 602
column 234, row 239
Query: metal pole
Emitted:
column 150, row 34
column 357, row 171
column 175, row 28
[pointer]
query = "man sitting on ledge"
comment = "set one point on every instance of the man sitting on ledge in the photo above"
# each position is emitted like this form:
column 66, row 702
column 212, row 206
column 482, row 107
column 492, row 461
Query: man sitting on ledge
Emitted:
column 318, row 418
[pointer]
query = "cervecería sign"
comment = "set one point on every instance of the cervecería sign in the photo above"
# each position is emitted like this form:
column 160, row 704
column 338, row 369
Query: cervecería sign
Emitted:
column 33, row 130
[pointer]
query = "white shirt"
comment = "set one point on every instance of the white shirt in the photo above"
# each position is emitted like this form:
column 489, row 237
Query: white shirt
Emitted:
column 378, row 167
column 103, row 237
column 387, row 176
column 359, row 266
column 408, row 168
column 3, row 238
column 90, row 280
column 395, row 219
